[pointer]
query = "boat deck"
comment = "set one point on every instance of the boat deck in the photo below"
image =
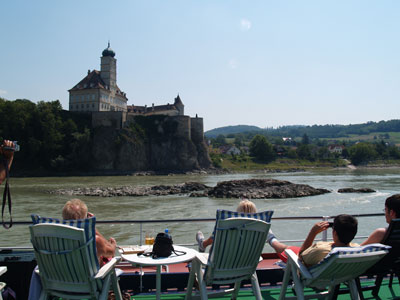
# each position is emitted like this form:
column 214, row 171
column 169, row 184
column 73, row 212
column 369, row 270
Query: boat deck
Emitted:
column 175, row 278
column 269, row 274
column 272, row 293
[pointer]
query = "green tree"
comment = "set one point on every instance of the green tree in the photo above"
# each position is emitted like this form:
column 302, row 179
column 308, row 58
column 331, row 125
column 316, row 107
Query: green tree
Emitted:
column 261, row 149
column 394, row 152
column 323, row 153
column 304, row 151
column 292, row 153
column 362, row 152
column 305, row 140
column 238, row 141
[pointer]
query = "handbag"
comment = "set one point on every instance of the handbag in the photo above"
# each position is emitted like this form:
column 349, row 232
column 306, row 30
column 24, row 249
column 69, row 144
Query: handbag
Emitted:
column 163, row 247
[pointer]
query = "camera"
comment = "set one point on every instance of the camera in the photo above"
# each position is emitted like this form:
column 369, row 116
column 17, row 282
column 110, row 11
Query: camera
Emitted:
column 14, row 148
column 330, row 224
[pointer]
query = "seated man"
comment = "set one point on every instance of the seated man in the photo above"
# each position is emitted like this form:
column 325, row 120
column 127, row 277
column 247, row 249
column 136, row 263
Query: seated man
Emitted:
column 344, row 230
column 392, row 211
column 73, row 210
column 7, row 157
column 77, row 209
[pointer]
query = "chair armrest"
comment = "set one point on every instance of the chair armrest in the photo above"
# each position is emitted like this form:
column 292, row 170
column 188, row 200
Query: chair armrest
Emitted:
column 202, row 257
column 104, row 270
column 295, row 261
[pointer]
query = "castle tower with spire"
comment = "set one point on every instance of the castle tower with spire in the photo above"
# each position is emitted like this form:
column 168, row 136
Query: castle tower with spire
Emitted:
column 108, row 67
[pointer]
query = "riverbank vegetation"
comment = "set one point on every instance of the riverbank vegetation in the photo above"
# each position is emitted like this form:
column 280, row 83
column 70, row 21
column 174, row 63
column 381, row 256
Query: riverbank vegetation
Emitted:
column 56, row 141
column 264, row 149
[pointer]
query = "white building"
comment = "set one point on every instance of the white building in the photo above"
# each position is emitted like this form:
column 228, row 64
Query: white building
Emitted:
column 99, row 91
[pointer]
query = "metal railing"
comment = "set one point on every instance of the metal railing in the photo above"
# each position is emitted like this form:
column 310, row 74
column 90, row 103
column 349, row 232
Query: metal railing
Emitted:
column 197, row 220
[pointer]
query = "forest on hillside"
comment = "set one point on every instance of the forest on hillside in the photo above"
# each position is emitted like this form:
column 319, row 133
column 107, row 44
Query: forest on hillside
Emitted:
column 315, row 131
column 50, row 138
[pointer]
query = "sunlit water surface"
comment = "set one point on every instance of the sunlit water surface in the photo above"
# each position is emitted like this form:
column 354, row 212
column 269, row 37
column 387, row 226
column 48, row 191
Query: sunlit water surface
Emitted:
column 31, row 195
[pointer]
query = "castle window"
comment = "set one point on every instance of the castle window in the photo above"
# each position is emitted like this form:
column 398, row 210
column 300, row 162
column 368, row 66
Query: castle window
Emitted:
column 92, row 105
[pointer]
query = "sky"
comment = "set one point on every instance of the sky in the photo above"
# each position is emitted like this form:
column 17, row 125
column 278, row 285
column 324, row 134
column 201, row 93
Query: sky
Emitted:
column 263, row 63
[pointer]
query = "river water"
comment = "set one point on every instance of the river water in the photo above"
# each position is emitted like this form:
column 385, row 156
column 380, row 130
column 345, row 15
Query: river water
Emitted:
column 31, row 195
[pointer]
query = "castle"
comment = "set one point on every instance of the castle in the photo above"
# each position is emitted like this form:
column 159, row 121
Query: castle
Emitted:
column 98, row 93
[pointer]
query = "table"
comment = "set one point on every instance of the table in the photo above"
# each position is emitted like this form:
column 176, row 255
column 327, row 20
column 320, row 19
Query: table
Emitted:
column 162, row 261
column 2, row 284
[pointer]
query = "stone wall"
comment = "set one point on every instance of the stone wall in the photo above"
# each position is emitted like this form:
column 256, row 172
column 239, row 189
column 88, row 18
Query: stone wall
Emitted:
column 196, row 129
column 183, row 128
column 114, row 119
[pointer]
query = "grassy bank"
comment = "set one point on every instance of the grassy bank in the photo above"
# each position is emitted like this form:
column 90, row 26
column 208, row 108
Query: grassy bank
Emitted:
column 246, row 164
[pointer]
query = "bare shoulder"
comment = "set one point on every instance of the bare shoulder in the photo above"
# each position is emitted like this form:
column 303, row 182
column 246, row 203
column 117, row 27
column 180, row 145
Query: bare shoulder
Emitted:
column 375, row 237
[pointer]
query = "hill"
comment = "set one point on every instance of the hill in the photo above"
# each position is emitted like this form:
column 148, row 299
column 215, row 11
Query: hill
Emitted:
column 340, row 132
column 231, row 129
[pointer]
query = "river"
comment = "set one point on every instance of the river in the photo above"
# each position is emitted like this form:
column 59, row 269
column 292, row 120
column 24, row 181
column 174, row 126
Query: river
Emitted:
column 31, row 195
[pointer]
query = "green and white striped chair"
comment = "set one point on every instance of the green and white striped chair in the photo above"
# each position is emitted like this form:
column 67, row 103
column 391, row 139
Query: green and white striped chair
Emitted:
column 67, row 261
column 342, row 264
column 234, row 256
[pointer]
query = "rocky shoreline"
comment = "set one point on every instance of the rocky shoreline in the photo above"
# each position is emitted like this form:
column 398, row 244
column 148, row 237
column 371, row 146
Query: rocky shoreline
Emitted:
column 248, row 188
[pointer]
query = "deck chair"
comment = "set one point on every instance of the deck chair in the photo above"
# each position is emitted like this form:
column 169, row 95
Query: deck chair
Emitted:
column 390, row 264
column 234, row 256
column 342, row 264
column 67, row 270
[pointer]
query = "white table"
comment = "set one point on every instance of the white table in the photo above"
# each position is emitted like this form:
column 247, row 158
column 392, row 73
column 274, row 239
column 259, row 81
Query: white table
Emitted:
column 162, row 261
column 2, row 284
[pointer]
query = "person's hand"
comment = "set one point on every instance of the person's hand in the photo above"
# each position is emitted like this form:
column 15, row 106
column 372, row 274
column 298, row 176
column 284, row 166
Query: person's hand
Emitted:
column 8, row 154
column 113, row 241
column 90, row 215
column 319, row 227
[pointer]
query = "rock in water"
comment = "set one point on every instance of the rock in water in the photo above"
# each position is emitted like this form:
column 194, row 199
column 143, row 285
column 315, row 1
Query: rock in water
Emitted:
column 351, row 190
column 262, row 188
column 251, row 188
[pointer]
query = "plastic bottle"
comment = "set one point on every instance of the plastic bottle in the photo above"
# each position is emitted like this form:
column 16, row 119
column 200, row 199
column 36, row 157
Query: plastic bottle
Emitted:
column 167, row 233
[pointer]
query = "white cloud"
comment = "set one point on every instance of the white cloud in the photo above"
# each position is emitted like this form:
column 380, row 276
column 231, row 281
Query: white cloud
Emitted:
column 233, row 64
column 2, row 92
column 245, row 24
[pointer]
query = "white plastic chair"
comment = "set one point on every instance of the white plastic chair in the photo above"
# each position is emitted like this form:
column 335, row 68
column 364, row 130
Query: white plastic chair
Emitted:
column 66, row 267
column 342, row 264
column 234, row 256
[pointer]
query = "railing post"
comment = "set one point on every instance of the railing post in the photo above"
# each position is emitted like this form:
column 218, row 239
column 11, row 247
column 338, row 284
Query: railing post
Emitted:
column 325, row 232
column 141, row 234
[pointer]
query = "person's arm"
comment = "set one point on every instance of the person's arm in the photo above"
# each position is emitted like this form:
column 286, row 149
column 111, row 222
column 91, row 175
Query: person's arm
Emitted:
column 8, row 156
column 105, row 247
column 317, row 228
column 375, row 237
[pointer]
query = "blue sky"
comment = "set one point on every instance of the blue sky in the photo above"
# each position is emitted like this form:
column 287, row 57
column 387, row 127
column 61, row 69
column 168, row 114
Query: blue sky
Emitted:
column 263, row 63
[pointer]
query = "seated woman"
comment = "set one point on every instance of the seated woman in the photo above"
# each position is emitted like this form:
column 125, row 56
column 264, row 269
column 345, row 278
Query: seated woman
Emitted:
column 344, row 230
column 245, row 206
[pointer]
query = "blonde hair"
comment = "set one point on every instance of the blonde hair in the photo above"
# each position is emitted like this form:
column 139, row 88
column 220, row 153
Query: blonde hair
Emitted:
column 246, row 206
column 74, row 209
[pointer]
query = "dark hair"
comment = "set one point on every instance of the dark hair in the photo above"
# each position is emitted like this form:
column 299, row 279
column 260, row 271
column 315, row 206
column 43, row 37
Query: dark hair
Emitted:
column 393, row 203
column 345, row 227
